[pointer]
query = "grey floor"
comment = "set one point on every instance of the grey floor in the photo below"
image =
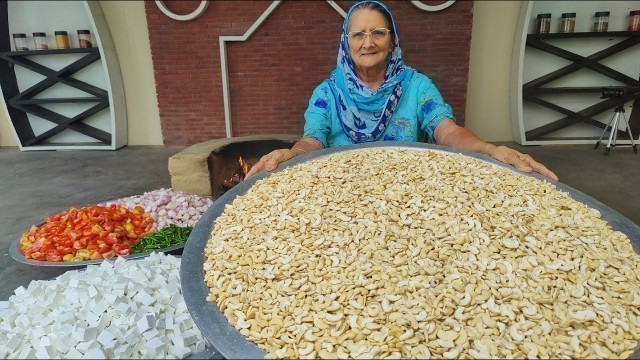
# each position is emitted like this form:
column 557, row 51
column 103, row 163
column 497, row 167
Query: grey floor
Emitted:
column 36, row 184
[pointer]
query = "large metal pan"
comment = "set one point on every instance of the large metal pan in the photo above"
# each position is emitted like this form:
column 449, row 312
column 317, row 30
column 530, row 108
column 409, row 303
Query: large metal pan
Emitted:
column 233, row 345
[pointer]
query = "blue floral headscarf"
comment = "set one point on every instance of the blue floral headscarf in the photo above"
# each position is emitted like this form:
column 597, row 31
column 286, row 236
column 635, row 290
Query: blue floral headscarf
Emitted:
column 365, row 114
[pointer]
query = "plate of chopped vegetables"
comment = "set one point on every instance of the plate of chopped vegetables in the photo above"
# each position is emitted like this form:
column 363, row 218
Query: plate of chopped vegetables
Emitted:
column 88, row 235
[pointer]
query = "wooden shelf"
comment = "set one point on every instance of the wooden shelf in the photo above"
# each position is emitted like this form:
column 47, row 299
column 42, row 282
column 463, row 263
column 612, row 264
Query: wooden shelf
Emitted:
column 557, row 78
column 534, row 88
column 51, row 51
column 589, row 34
column 25, row 102
column 61, row 99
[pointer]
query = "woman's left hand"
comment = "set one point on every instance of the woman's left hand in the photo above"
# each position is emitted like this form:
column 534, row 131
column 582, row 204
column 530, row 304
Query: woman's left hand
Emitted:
column 520, row 161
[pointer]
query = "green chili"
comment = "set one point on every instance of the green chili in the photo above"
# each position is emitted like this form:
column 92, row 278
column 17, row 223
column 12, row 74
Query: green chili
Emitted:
column 161, row 239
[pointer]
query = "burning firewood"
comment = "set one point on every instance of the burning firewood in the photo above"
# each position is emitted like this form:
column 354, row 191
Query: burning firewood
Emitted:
column 239, row 175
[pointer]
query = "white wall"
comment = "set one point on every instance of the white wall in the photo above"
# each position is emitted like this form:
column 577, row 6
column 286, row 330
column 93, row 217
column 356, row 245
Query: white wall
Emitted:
column 488, row 111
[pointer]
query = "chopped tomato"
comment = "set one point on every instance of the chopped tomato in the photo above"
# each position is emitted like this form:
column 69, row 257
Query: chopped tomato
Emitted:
column 103, row 248
column 123, row 252
column 96, row 229
column 111, row 239
column 93, row 232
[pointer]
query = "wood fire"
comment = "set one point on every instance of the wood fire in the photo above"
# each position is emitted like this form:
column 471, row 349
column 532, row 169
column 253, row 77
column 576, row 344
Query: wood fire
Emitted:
column 238, row 176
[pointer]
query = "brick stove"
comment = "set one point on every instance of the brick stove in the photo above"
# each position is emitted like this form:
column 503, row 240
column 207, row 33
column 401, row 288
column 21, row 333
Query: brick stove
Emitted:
column 201, row 168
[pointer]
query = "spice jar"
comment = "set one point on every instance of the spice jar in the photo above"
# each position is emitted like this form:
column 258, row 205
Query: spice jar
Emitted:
column 601, row 22
column 84, row 38
column 20, row 42
column 62, row 40
column 543, row 24
column 634, row 20
column 568, row 22
column 40, row 40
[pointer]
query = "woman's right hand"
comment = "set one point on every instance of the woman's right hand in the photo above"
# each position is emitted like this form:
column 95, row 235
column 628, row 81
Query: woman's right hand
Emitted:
column 270, row 161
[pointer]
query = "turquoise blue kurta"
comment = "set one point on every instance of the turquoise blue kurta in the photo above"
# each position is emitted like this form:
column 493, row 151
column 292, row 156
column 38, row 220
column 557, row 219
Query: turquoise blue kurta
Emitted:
column 420, row 109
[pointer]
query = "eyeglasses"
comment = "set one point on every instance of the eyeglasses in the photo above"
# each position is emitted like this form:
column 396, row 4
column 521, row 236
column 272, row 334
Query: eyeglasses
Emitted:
column 376, row 35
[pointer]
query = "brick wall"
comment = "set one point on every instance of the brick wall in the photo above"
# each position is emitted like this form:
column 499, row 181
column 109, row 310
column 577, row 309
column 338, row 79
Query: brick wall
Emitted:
column 271, row 75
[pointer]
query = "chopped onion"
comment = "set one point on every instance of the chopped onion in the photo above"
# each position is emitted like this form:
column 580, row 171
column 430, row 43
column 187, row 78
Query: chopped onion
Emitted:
column 167, row 206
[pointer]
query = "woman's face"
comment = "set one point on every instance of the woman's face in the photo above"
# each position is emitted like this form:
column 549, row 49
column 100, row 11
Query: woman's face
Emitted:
column 369, row 53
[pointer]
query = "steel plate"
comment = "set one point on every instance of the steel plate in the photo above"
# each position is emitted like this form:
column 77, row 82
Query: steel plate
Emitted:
column 16, row 255
column 233, row 345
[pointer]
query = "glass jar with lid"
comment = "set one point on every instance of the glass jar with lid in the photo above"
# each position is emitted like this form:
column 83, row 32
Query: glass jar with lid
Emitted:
column 634, row 20
column 62, row 39
column 84, row 38
column 568, row 22
column 20, row 42
column 601, row 21
column 543, row 23
column 40, row 41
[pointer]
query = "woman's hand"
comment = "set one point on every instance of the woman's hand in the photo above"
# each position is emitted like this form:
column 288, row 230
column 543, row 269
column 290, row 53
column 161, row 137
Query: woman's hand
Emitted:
column 520, row 161
column 270, row 161
column 448, row 133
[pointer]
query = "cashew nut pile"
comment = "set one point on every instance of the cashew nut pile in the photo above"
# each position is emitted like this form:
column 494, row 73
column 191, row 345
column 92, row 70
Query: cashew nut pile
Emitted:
column 408, row 253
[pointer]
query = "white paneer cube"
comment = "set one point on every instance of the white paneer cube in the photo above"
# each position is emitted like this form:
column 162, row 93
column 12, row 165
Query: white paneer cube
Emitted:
column 100, row 307
column 144, row 298
column 151, row 333
column 19, row 291
column 92, row 319
column 200, row 346
column 34, row 289
column 104, row 321
column 95, row 353
column 27, row 353
column 110, row 346
column 83, row 347
column 132, row 336
column 110, row 298
column 85, row 334
column 23, row 321
column 155, row 345
column 8, row 315
column 147, row 322
column 73, row 354
column 63, row 344
column 92, row 291
column 45, row 352
column 57, row 299
column 179, row 351
column 45, row 341
column 105, row 337
column 178, row 340
column 14, row 341
column 122, row 308
column 66, row 317
column 120, row 351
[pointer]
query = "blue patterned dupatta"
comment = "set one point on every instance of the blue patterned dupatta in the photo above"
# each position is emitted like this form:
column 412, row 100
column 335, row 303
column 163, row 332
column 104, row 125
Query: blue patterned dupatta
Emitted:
column 365, row 114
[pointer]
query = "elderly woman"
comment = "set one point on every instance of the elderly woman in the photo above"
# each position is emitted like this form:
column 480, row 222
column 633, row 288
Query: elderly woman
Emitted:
column 373, row 96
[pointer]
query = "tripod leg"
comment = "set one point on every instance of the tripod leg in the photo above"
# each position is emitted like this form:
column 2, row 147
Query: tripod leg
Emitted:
column 633, row 142
column 604, row 131
column 612, row 134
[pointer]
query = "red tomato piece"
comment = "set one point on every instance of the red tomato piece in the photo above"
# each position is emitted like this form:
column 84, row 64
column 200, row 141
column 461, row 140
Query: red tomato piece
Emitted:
column 123, row 252
column 103, row 231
